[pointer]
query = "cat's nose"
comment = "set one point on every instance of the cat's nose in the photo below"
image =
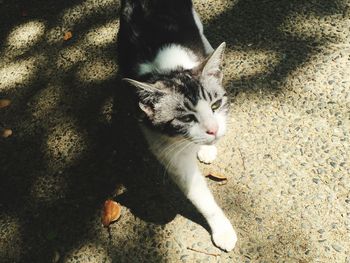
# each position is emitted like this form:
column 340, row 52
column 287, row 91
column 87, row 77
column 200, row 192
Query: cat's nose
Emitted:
column 212, row 130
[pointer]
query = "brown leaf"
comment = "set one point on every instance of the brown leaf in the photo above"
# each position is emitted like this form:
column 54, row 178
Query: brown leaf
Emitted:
column 216, row 176
column 4, row 103
column 68, row 35
column 111, row 212
column 6, row 133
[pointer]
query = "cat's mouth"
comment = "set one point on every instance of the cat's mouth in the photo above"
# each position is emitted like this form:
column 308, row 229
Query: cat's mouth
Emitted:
column 211, row 142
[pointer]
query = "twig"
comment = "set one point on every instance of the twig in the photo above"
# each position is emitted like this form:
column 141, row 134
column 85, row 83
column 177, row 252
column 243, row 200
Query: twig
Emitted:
column 243, row 162
column 203, row 252
column 109, row 234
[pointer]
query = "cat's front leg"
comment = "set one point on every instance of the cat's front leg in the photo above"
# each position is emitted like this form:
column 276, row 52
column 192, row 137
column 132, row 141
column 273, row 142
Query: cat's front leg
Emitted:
column 193, row 184
column 207, row 153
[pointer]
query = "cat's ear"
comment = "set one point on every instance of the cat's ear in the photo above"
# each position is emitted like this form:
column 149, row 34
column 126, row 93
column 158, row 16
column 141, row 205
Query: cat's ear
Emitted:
column 211, row 67
column 146, row 91
column 143, row 86
column 146, row 109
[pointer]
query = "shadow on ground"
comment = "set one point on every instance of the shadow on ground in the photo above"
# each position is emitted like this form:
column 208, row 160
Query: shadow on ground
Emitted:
column 63, row 161
column 258, row 25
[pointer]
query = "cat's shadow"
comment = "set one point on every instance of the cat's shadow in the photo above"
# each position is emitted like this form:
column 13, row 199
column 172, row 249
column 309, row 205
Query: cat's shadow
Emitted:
column 150, row 194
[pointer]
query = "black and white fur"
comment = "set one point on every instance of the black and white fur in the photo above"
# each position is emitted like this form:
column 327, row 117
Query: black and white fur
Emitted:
column 165, row 56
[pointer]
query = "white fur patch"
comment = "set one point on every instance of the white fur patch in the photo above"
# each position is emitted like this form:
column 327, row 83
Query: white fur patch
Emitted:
column 224, row 236
column 169, row 58
column 221, row 119
column 207, row 153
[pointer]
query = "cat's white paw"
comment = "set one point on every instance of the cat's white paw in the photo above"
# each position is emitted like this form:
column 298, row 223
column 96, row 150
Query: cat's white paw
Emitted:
column 207, row 153
column 225, row 237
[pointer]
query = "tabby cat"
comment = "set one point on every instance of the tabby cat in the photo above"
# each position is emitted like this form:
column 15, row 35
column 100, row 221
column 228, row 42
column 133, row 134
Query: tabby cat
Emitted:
column 164, row 55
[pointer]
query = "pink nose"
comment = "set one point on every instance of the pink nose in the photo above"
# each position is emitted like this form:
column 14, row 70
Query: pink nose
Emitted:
column 212, row 131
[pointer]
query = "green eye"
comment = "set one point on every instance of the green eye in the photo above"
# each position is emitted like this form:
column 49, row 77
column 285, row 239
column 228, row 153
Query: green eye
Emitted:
column 216, row 105
column 188, row 118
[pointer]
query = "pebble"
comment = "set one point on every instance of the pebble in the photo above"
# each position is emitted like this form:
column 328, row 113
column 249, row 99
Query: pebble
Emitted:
column 183, row 258
column 320, row 171
column 321, row 231
column 337, row 247
column 315, row 180
column 333, row 164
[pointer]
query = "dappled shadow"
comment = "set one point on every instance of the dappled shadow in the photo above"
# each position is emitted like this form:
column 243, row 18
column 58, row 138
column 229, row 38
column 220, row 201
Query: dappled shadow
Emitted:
column 264, row 26
column 74, row 138
column 69, row 151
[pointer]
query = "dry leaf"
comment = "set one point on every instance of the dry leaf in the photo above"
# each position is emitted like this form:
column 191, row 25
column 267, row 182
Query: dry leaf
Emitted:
column 68, row 35
column 6, row 133
column 4, row 103
column 111, row 212
column 217, row 176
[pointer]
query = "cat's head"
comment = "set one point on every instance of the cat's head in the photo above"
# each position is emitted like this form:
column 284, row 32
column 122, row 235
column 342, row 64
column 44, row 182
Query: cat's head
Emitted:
column 190, row 103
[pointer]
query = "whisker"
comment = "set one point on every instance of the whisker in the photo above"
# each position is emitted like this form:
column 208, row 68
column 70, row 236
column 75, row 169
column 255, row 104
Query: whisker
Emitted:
column 170, row 145
column 175, row 155
column 173, row 147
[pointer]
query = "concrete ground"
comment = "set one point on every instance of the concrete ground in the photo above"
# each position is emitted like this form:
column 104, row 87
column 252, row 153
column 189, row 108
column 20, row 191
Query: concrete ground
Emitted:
column 286, row 154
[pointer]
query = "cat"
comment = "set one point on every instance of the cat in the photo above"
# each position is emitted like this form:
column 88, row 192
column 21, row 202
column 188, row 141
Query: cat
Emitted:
column 165, row 57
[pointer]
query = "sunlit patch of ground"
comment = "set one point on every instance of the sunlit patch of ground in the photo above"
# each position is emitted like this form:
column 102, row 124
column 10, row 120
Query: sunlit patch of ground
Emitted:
column 250, row 62
column 48, row 188
column 10, row 238
column 46, row 101
column 97, row 71
column 70, row 56
column 107, row 111
column 66, row 143
column 24, row 36
column 17, row 73
column 316, row 27
column 103, row 35
column 79, row 13
column 216, row 8
column 91, row 251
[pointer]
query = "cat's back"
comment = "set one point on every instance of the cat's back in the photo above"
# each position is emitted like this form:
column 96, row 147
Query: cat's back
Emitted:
column 148, row 26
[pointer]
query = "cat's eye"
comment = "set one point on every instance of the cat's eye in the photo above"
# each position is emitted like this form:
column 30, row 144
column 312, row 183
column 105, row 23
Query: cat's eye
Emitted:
column 216, row 105
column 188, row 118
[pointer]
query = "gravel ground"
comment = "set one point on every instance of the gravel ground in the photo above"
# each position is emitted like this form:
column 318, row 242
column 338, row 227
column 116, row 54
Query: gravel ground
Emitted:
column 286, row 154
